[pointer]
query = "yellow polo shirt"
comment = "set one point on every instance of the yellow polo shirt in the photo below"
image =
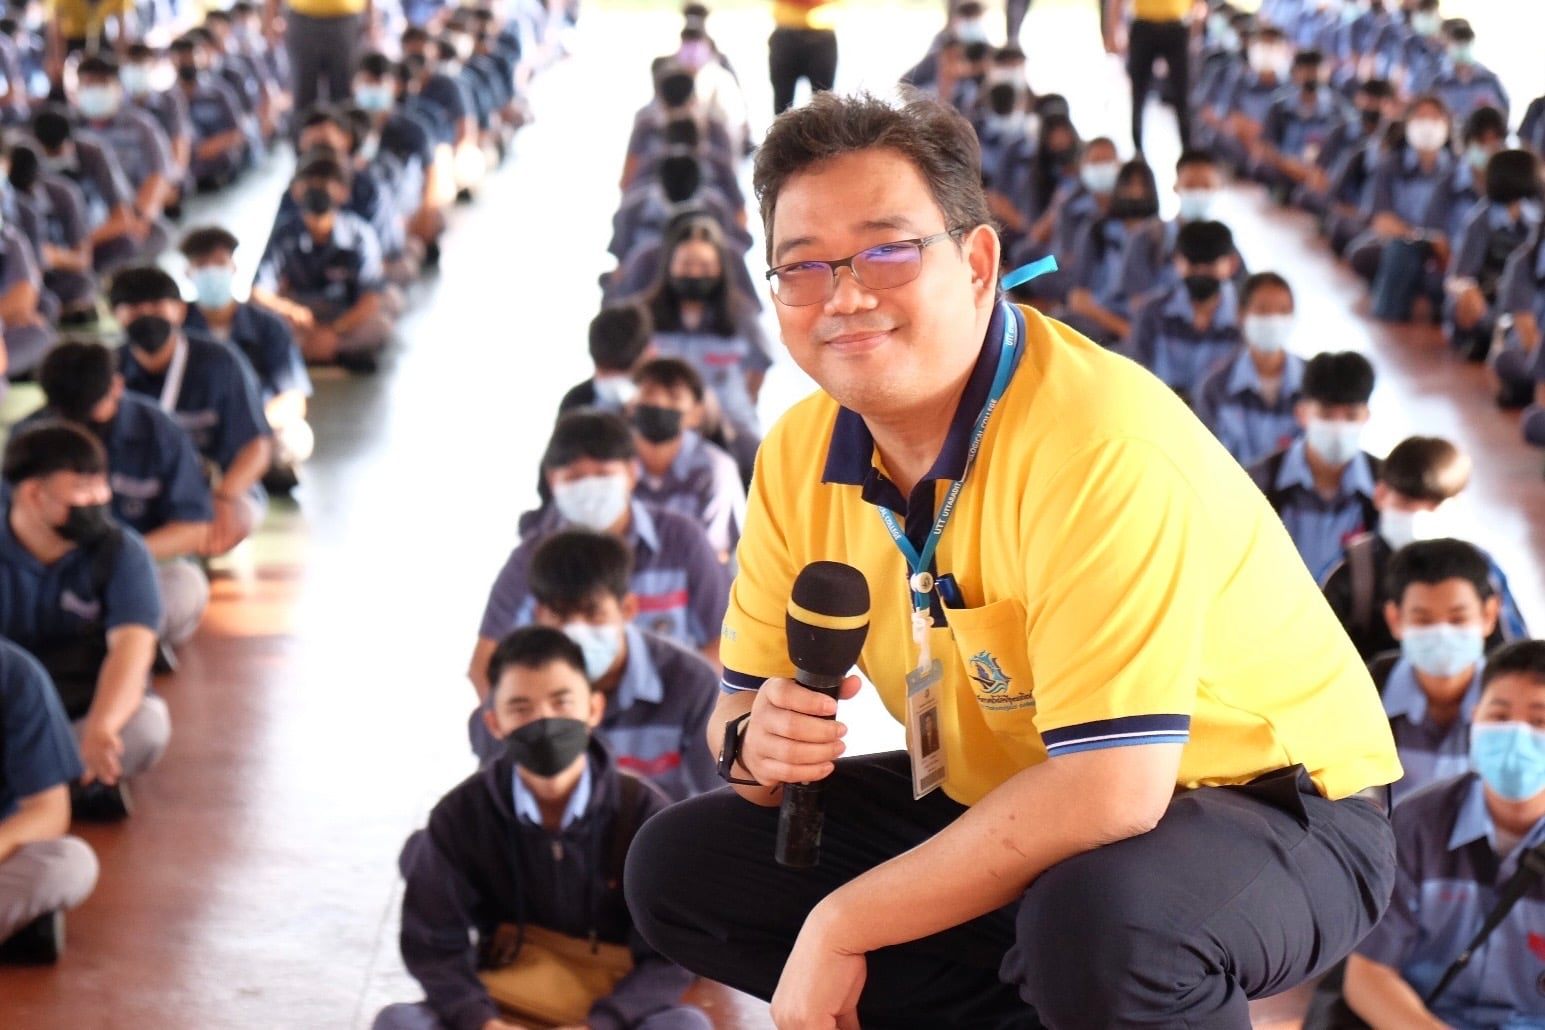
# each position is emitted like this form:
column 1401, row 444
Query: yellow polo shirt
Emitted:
column 804, row 14
column 327, row 8
column 1124, row 583
column 79, row 19
column 1161, row 10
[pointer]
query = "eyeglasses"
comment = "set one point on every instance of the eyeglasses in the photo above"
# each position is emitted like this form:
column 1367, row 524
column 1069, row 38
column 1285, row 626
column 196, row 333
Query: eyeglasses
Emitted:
column 802, row 283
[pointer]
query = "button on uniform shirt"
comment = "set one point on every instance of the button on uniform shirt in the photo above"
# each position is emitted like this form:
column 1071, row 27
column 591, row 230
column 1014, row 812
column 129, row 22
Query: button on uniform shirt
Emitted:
column 265, row 340
column 703, row 483
column 1166, row 341
column 1251, row 422
column 218, row 405
column 1123, row 582
column 656, row 721
column 1428, row 752
column 138, row 142
column 1447, row 878
column 37, row 747
column 1319, row 527
column 331, row 276
column 681, row 587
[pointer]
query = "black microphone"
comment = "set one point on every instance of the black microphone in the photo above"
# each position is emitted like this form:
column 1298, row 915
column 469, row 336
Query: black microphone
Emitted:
column 827, row 621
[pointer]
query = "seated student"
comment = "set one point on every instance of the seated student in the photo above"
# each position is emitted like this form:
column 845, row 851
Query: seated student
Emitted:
column 1242, row 106
column 679, row 470
column 241, row 71
column 116, row 235
column 79, row 593
column 682, row 135
column 1249, row 401
column 1348, row 188
column 658, row 694
column 675, row 97
column 649, row 205
column 419, row 165
column 527, row 856
column 1441, row 609
column 51, row 212
column 1025, row 190
column 1489, row 234
column 591, row 467
column 1299, row 123
column 1464, row 83
column 271, row 62
column 1180, row 333
column 965, row 23
column 1096, row 304
column 718, row 92
column 1076, row 204
column 25, row 334
column 1416, row 482
column 1007, row 130
column 1411, row 51
column 1322, row 485
column 209, row 390
column 436, row 87
column 147, row 76
column 322, row 272
column 1531, row 131
column 1483, row 135
column 1373, row 101
column 157, row 482
column 620, row 338
column 222, row 143
column 1519, row 364
column 1148, row 267
column 1456, row 845
column 43, row 871
column 136, row 141
column 263, row 339
column 642, row 269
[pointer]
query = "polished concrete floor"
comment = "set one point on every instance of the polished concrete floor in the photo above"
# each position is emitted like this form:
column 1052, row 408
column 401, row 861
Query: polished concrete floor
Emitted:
column 321, row 710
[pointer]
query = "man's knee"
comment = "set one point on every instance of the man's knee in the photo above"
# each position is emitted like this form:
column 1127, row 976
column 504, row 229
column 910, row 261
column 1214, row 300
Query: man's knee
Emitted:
column 145, row 736
column 184, row 597
column 407, row 1017
column 656, row 880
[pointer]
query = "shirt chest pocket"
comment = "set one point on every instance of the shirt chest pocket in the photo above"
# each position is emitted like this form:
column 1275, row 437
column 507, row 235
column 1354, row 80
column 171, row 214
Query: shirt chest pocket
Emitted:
column 990, row 642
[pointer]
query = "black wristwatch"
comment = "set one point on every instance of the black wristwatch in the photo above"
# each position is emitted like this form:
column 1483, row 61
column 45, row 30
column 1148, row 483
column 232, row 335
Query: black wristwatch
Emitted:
column 734, row 737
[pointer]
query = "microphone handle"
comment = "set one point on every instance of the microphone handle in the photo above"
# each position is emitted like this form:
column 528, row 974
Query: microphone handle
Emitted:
column 802, row 808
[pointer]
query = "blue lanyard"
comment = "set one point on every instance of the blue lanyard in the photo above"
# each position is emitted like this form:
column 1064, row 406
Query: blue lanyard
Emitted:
column 918, row 562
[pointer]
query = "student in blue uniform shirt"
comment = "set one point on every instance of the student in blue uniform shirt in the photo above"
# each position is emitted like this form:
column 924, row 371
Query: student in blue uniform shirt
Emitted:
column 1179, row 334
column 1519, row 364
column 79, row 593
column 116, row 235
column 679, row 470
column 1078, row 203
column 675, row 97
column 620, row 339
column 1404, row 183
column 1025, row 189
column 1457, row 843
column 222, row 138
column 1441, row 609
column 1148, row 266
column 1464, row 83
column 241, row 71
column 1299, row 124
column 51, row 211
column 323, row 272
column 1249, row 401
column 717, row 169
column 1322, row 485
column 43, row 871
column 437, row 87
column 26, row 332
column 641, row 271
column 404, row 144
column 1373, row 103
column 158, row 483
column 1243, row 105
column 648, row 207
column 209, row 390
column 1489, row 234
column 1484, row 135
column 1097, row 303
column 591, row 465
column 528, row 853
column 141, row 148
column 146, row 76
column 1410, row 52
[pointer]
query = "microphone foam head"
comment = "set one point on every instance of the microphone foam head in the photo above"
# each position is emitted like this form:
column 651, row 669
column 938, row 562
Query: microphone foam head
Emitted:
column 828, row 617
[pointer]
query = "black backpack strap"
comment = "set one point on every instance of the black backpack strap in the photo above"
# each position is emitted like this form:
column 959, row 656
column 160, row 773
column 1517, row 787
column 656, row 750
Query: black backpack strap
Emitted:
column 1265, row 476
column 1363, row 580
column 1531, row 867
column 630, row 795
column 104, row 558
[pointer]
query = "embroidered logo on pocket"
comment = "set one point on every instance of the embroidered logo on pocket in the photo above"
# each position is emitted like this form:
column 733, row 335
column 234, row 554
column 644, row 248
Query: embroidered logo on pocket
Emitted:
column 986, row 671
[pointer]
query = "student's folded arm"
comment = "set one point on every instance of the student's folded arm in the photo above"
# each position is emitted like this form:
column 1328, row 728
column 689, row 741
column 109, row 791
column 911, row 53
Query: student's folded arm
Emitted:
column 367, row 307
column 121, row 683
column 177, row 539
column 654, row 985
column 249, row 466
column 436, row 939
column 38, row 817
column 19, row 304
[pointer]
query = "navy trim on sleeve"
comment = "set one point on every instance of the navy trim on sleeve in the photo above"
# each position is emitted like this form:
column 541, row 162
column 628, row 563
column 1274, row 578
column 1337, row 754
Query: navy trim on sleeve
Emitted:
column 734, row 682
column 1125, row 732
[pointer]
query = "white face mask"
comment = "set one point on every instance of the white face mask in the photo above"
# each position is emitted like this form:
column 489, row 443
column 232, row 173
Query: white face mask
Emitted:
column 600, row 645
column 615, row 392
column 1337, row 441
column 1399, row 527
column 1426, row 134
column 1196, row 205
column 595, row 502
column 1268, row 334
column 1100, row 177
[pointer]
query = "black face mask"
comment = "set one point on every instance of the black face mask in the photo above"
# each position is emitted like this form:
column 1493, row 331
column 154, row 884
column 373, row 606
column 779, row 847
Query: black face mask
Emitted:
column 1371, row 120
column 1060, row 157
column 1202, row 288
column 657, row 424
column 1124, row 208
column 316, row 200
column 694, row 287
column 1309, row 89
column 148, row 333
column 86, row 524
column 548, row 746
column 187, row 72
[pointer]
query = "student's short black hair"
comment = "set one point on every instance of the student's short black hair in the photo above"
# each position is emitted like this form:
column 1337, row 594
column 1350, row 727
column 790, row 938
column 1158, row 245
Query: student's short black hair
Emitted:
column 682, row 132
column 320, row 166
column 207, row 240
column 183, row 45
column 1195, row 157
column 1485, row 121
column 680, row 177
column 414, row 34
column 1428, row 100
column 586, row 433
column 1050, row 105
column 569, row 569
column 376, row 65
column 1007, row 55
column 1260, row 281
column 75, row 376
column 671, row 373
column 1308, row 59
column 674, row 85
column 321, row 114
column 26, row 167
column 970, row 9
column 1430, row 562
column 618, row 337
column 98, row 66
column 1378, row 89
column 1512, row 175
column 1458, row 30
column 1334, row 378
column 534, row 647
column 51, row 127
column 977, row 51
column 1524, row 658
column 215, row 16
column 1426, row 468
column 1202, row 243
column 48, row 447
column 1270, row 32
column 140, row 52
column 142, row 284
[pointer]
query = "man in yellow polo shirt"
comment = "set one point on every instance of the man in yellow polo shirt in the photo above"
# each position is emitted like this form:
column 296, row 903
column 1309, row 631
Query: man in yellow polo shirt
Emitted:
column 324, row 38
column 803, row 46
column 1156, row 29
column 1164, row 760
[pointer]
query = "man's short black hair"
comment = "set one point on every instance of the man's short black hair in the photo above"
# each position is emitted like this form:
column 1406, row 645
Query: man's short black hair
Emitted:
column 674, row 85
column 321, row 114
column 671, row 373
column 534, row 647
column 376, row 65
column 1378, row 89
column 208, row 240
column 76, row 375
column 586, row 433
column 1426, row 468
column 682, row 132
column 1196, row 157
column 48, row 447
column 1430, row 562
column 140, row 52
column 1202, row 243
column 1485, row 121
column 569, row 569
column 1525, row 658
column 142, row 284
column 1335, row 378
column 1458, row 30
column 1308, row 59
column 51, row 127
column 680, row 177
column 98, row 66
column 1011, row 54
column 321, row 166
column 1261, row 281
column 619, row 336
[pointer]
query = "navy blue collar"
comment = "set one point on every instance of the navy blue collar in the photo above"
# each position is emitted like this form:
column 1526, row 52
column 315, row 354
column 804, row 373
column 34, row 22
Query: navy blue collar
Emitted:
column 850, row 457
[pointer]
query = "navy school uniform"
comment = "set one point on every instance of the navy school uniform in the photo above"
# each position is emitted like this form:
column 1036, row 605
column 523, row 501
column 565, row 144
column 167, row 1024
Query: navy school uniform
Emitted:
column 138, row 142
column 370, row 199
column 1098, row 257
column 713, row 171
column 1453, row 200
column 96, row 173
column 1401, row 186
column 37, row 747
column 1166, row 341
column 1522, row 290
column 329, row 277
column 1234, row 404
column 724, row 362
column 703, row 483
column 1148, row 264
column 170, row 110
column 214, row 110
column 1447, row 878
column 645, row 212
column 1320, row 528
column 1250, row 94
column 265, row 340
column 1488, row 236
column 641, row 270
column 430, row 114
column 1428, row 751
column 1466, row 90
column 1302, row 131
column 451, row 96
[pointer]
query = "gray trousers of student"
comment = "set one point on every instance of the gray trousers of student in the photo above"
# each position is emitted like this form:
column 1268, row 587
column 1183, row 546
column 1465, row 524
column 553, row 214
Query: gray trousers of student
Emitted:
column 113, row 254
column 322, row 50
column 420, row 1016
column 144, row 736
column 184, row 596
column 25, row 346
column 43, row 877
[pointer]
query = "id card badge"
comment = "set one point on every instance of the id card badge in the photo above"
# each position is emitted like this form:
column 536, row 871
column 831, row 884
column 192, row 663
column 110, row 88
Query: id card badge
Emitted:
column 924, row 744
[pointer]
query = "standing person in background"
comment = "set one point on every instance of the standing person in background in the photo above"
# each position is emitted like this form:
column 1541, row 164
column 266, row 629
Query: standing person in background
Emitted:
column 802, row 46
column 1156, row 28
column 324, row 38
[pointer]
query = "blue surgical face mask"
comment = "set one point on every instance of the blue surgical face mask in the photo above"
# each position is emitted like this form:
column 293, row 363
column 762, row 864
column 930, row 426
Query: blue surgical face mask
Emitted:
column 212, row 285
column 1442, row 650
column 1100, row 177
column 373, row 98
column 1196, row 205
column 1268, row 334
column 600, row 645
column 594, row 502
column 1337, row 441
column 97, row 102
column 1462, row 54
column 1510, row 756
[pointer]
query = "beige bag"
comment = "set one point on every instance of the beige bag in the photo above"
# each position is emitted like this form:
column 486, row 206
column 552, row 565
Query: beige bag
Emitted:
column 554, row 979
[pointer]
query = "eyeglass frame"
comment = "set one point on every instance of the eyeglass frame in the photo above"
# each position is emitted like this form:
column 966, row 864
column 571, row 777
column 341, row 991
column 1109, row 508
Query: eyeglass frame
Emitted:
column 921, row 242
